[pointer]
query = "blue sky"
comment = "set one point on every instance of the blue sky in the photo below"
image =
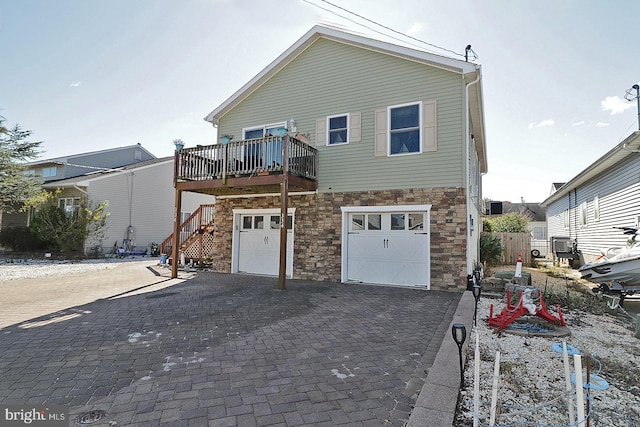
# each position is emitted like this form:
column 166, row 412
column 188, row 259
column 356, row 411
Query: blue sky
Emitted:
column 91, row 75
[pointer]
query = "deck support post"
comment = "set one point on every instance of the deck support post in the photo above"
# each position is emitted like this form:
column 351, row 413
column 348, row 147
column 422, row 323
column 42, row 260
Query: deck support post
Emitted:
column 284, row 215
column 176, row 235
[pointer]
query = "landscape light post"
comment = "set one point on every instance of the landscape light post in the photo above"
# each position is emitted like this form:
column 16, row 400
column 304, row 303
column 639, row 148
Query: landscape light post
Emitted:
column 459, row 333
column 477, row 290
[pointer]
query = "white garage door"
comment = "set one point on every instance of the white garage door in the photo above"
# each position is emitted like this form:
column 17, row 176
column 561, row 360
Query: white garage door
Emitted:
column 388, row 248
column 259, row 244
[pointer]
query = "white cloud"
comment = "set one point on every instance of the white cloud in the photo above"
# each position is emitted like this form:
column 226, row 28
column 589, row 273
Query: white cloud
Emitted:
column 75, row 84
column 416, row 28
column 580, row 123
column 548, row 122
column 602, row 124
column 615, row 104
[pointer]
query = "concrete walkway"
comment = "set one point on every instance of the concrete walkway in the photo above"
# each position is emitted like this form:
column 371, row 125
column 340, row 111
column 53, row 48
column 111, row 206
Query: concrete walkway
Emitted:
column 227, row 350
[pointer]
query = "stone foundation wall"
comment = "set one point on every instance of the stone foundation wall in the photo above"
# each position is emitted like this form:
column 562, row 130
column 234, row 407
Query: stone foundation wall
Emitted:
column 318, row 231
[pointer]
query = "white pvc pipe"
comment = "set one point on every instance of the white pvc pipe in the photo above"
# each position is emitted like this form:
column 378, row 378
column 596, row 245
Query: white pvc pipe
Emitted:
column 494, row 391
column 476, row 382
column 577, row 361
column 567, row 383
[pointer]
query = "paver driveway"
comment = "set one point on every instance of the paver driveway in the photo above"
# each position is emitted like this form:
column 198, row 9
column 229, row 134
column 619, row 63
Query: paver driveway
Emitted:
column 226, row 350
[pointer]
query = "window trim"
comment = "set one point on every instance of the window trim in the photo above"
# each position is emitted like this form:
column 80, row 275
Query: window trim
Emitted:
column 69, row 205
column 566, row 219
column 419, row 128
column 582, row 214
column 346, row 128
column 46, row 172
column 264, row 128
column 596, row 208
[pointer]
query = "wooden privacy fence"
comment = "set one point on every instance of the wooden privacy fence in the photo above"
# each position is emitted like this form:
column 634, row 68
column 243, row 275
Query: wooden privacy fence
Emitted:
column 514, row 244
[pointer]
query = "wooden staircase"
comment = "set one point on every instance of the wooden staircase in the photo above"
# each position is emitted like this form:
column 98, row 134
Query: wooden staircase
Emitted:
column 196, row 235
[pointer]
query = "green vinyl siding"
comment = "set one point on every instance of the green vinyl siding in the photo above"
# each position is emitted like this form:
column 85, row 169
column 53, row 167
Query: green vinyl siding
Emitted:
column 331, row 78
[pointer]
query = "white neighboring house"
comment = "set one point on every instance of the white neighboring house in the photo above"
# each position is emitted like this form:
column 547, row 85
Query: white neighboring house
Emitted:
column 141, row 201
column 602, row 197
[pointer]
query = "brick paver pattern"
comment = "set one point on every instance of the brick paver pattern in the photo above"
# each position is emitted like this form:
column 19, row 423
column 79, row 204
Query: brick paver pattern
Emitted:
column 231, row 350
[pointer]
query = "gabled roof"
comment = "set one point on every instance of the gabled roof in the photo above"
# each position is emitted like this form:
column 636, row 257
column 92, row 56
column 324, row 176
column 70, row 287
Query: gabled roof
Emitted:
column 532, row 210
column 629, row 147
column 84, row 180
column 556, row 186
column 319, row 31
column 67, row 159
column 468, row 70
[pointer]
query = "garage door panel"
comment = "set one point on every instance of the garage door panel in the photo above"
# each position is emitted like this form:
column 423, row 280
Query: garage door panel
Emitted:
column 259, row 249
column 386, row 256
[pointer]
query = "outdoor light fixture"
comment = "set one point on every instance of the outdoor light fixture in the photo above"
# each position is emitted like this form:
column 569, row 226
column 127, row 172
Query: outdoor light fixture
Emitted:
column 459, row 333
column 477, row 290
column 629, row 97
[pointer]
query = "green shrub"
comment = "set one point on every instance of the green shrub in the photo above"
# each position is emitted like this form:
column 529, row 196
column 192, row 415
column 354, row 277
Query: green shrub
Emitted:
column 490, row 249
column 20, row 239
column 512, row 222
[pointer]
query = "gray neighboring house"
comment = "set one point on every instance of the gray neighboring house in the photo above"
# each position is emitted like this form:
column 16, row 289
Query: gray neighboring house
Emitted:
column 390, row 179
column 603, row 196
column 59, row 168
column 141, row 203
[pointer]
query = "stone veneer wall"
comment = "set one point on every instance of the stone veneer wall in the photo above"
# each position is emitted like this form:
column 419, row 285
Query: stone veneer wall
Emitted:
column 318, row 223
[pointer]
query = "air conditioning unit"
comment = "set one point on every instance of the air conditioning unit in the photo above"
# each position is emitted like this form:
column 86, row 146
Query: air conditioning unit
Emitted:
column 561, row 244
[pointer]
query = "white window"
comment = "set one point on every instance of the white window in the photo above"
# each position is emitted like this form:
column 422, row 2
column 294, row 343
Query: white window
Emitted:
column 565, row 217
column 404, row 129
column 540, row 233
column 338, row 129
column 583, row 213
column 262, row 130
column 49, row 172
column 69, row 204
column 596, row 208
column 257, row 222
column 372, row 222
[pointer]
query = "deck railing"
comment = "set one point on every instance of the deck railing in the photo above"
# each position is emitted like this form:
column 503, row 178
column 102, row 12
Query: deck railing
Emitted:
column 247, row 157
column 197, row 224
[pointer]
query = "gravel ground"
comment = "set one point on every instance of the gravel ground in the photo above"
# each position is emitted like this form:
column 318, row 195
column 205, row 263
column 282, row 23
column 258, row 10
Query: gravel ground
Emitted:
column 15, row 268
column 531, row 390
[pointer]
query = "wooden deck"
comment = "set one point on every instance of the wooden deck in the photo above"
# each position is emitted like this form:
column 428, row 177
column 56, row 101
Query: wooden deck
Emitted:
column 254, row 166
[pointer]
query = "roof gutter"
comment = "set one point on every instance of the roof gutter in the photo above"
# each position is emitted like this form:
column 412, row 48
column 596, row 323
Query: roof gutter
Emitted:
column 467, row 150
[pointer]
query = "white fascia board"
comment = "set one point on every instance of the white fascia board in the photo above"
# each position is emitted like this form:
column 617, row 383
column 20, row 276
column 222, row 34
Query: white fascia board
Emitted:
column 319, row 31
column 84, row 181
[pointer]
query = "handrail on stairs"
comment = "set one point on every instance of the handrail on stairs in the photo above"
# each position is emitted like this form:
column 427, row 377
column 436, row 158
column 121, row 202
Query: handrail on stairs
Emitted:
column 191, row 228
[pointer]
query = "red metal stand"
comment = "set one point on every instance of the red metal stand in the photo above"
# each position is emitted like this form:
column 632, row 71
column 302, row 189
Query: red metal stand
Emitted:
column 512, row 312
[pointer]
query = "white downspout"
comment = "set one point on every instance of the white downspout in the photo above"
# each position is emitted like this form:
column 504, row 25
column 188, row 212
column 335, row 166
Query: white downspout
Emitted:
column 468, row 172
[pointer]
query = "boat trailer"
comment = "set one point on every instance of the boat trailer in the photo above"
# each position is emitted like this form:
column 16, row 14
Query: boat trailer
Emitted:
column 616, row 293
